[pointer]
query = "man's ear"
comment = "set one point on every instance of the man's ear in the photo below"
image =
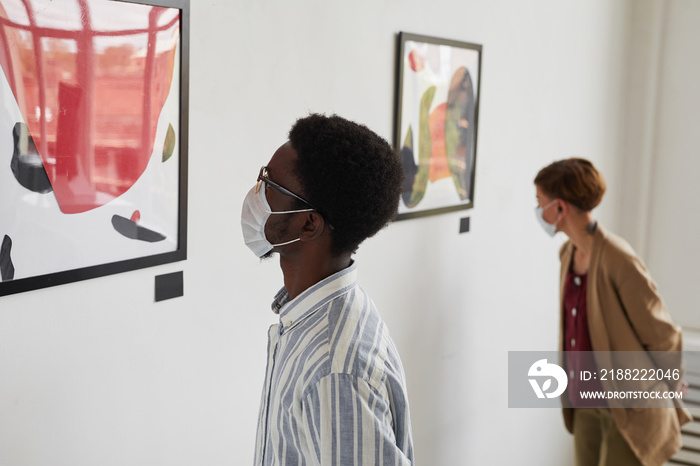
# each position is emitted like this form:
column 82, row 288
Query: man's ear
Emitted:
column 314, row 226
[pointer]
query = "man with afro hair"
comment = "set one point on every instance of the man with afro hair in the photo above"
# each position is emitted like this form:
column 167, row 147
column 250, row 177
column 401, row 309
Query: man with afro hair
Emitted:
column 335, row 390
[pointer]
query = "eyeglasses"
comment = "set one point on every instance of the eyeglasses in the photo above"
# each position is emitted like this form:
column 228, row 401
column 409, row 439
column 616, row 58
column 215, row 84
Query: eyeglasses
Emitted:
column 263, row 178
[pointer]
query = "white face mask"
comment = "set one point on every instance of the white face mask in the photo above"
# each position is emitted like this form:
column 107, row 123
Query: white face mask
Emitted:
column 254, row 216
column 549, row 228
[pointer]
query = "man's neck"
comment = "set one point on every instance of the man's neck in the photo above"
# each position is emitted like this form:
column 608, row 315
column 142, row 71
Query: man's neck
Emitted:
column 302, row 273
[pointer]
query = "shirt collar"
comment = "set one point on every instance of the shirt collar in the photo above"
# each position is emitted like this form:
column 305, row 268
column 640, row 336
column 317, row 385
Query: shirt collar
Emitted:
column 293, row 311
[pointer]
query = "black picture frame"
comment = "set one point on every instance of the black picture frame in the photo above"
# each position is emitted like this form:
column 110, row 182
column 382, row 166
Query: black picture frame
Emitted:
column 127, row 236
column 452, row 69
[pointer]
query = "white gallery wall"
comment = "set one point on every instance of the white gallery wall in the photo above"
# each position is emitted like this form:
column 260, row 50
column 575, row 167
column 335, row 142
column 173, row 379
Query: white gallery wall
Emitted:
column 661, row 201
column 96, row 373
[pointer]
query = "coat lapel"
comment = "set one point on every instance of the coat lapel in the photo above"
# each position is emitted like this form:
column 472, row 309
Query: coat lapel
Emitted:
column 596, row 324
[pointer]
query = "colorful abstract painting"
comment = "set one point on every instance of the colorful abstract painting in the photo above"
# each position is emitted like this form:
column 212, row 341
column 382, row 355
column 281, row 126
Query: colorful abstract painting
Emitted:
column 92, row 157
column 436, row 123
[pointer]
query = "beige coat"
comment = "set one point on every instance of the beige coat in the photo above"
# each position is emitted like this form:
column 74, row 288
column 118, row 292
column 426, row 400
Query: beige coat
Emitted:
column 626, row 313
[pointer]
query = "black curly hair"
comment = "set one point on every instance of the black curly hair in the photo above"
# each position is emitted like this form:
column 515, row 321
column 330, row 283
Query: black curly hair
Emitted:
column 350, row 174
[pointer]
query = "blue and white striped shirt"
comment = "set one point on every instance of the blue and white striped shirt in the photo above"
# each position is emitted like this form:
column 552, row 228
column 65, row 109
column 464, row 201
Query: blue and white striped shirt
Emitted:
column 335, row 390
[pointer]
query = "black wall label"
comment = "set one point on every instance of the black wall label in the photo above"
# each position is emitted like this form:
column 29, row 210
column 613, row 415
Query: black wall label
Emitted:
column 464, row 225
column 169, row 286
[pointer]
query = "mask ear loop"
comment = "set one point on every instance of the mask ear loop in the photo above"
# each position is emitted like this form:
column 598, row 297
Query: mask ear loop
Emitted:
column 550, row 204
column 556, row 222
column 293, row 211
column 267, row 207
column 285, row 243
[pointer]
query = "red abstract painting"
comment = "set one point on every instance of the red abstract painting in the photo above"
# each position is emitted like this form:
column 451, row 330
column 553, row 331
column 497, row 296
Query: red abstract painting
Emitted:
column 93, row 131
column 90, row 97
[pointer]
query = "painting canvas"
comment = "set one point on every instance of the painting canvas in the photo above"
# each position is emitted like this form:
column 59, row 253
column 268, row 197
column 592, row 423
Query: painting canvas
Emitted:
column 93, row 138
column 437, row 107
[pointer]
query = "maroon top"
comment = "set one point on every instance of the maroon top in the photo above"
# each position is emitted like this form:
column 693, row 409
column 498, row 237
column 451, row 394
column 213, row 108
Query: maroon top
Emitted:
column 576, row 339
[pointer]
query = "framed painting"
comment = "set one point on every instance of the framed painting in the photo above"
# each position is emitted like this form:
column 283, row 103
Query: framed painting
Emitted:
column 436, row 120
column 93, row 138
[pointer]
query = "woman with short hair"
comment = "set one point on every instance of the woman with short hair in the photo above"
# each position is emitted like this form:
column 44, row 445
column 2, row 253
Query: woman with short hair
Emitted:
column 609, row 303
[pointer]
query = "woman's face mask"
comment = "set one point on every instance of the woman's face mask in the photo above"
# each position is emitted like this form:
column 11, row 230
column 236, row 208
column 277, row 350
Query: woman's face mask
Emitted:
column 549, row 228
